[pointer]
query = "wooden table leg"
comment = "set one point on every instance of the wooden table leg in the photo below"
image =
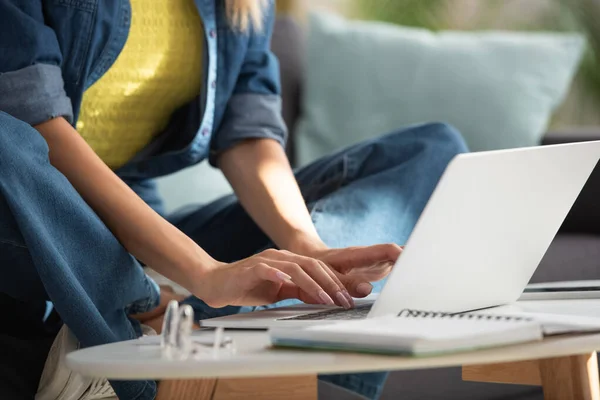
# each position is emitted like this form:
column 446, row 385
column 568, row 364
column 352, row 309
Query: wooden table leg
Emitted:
column 287, row 387
column 562, row 378
column 570, row 378
column 518, row 373
column 185, row 389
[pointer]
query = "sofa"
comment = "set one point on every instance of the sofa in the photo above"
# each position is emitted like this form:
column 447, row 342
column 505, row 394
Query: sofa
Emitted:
column 573, row 255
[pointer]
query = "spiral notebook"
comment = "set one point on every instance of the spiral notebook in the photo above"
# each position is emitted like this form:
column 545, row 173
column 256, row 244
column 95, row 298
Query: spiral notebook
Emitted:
column 414, row 333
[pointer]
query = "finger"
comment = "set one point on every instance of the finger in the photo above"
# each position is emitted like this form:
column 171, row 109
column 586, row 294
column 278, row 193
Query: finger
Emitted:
column 372, row 273
column 290, row 290
column 357, row 286
column 357, row 257
column 319, row 271
column 264, row 272
column 378, row 253
column 333, row 276
column 303, row 280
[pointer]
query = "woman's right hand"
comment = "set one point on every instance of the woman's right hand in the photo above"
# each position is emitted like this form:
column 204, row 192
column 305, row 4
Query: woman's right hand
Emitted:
column 268, row 277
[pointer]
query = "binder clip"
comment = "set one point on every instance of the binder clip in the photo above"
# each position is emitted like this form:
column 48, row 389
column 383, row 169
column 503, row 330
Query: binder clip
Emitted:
column 176, row 340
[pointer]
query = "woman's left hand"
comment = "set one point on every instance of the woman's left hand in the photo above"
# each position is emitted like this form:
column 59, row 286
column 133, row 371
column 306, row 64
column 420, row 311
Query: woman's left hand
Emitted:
column 357, row 266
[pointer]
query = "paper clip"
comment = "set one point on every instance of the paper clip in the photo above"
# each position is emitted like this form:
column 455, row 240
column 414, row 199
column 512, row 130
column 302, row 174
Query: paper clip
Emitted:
column 176, row 339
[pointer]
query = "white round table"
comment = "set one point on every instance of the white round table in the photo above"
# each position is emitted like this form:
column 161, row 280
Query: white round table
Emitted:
column 255, row 358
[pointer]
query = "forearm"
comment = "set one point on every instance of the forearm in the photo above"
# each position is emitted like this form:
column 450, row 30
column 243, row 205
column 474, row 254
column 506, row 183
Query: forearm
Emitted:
column 261, row 176
column 143, row 232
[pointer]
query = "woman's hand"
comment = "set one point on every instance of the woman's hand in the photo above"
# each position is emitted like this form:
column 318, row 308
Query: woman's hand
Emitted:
column 268, row 277
column 355, row 267
column 358, row 266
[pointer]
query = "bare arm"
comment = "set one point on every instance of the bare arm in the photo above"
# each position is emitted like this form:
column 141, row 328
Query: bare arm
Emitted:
column 143, row 232
column 262, row 178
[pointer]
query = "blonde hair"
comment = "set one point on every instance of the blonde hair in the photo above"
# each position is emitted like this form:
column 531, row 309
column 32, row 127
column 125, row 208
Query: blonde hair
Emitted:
column 243, row 14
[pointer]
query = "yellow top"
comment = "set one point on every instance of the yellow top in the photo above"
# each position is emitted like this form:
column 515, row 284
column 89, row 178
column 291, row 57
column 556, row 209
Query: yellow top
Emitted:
column 158, row 71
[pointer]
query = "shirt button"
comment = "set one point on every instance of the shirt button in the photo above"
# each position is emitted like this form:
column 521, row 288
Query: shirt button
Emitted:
column 213, row 84
column 212, row 33
column 205, row 132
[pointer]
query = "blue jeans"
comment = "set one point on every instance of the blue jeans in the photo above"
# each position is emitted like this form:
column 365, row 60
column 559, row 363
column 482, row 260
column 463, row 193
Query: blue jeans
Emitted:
column 53, row 247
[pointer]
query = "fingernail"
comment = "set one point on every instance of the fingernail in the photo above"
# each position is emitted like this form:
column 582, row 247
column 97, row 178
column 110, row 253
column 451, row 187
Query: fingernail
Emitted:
column 283, row 276
column 350, row 299
column 364, row 288
column 325, row 298
column 343, row 300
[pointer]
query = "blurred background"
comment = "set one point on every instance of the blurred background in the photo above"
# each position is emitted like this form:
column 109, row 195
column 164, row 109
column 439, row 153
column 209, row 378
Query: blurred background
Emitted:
column 582, row 106
column 523, row 93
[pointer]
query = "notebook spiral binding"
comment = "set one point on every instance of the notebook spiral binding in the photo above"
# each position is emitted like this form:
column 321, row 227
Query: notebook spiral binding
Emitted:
column 467, row 316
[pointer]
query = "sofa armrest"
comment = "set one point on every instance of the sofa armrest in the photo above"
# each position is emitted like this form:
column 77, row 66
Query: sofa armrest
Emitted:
column 584, row 216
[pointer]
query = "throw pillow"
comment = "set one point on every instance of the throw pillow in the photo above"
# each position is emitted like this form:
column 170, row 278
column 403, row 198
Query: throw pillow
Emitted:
column 368, row 78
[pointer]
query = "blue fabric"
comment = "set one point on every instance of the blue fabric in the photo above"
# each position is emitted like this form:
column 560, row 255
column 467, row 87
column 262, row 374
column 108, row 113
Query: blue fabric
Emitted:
column 60, row 48
column 27, row 92
column 53, row 247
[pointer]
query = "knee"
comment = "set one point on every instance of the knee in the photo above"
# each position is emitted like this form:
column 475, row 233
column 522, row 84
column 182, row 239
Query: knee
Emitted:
column 440, row 144
column 443, row 138
column 434, row 144
column 439, row 137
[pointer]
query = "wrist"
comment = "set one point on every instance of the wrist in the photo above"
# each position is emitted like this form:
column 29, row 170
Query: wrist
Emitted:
column 195, row 264
column 199, row 273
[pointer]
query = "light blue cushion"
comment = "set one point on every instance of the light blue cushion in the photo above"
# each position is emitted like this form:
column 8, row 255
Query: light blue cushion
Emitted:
column 366, row 78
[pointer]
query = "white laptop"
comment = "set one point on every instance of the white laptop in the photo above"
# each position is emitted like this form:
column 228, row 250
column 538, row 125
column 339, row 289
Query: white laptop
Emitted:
column 479, row 240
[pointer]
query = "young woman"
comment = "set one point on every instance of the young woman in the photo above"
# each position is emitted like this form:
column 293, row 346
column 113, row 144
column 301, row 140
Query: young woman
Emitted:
column 98, row 97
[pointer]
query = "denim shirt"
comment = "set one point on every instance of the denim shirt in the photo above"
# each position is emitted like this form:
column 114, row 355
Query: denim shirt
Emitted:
column 51, row 51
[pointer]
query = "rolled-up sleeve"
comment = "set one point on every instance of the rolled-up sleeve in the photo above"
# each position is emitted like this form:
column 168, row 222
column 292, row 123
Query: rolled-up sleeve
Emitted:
column 31, row 83
column 254, row 109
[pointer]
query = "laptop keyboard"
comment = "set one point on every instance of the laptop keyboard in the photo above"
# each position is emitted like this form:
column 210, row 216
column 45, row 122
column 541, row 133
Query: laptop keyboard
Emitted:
column 359, row 312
